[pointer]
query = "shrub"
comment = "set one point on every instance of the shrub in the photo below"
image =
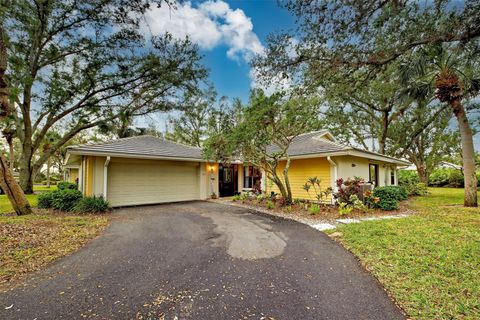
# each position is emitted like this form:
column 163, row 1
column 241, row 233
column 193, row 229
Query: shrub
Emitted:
column 439, row 178
column 344, row 208
column 456, row 179
column 91, row 205
column 320, row 195
column 398, row 193
column 387, row 204
column 269, row 204
column 407, row 177
column 417, row 189
column 314, row 209
column 236, row 198
column 45, row 200
column 66, row 185
column 347, row 188
column 66, row 199
column 281, row 201
column 389, row 197
column 52, row 182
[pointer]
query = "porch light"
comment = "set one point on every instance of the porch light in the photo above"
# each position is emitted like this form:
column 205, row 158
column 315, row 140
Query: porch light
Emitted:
column 211, row 168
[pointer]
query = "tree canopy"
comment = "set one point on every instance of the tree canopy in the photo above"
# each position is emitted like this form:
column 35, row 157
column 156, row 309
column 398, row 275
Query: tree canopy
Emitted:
column 81, row 64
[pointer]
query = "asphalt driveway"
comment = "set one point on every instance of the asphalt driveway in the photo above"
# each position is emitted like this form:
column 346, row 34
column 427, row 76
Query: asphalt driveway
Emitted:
column 202, row 260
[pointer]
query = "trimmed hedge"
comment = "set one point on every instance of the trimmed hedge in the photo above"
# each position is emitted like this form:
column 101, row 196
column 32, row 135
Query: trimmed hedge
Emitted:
column 389, row 197
column 64, row 200
column 91, row 205
column 67, row 185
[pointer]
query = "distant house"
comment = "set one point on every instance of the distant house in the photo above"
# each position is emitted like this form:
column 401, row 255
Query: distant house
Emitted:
column 148, row 170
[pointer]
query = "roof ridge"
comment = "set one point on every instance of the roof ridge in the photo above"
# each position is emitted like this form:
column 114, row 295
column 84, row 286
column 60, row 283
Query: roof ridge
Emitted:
column 105, row 142
column 312, row 132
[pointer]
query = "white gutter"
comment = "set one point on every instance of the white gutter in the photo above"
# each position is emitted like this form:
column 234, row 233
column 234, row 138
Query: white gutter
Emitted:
column 335, row 175
column 105, row 177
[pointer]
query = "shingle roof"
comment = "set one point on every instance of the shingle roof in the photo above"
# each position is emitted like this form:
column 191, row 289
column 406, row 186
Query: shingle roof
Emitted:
column 311, row 143
column 142, row 146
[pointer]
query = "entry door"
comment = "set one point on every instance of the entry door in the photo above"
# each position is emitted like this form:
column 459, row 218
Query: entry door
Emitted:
column 227, row 180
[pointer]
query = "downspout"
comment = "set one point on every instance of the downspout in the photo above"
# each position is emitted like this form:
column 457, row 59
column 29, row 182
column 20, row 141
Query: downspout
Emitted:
column 105, row 177
column 335, row 175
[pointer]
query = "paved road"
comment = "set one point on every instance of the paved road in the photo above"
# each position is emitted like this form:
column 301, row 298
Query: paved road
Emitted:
column 202, row 260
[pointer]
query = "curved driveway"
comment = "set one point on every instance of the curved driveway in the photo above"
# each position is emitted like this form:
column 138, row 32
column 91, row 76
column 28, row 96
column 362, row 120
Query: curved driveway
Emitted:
column 202, row 260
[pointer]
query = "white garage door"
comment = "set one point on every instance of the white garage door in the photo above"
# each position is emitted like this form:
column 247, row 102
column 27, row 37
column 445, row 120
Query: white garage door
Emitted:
column 135, row 182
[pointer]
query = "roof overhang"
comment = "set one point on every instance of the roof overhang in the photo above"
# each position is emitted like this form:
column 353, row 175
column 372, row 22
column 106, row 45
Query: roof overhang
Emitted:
column 353, row 153
column 129, row 155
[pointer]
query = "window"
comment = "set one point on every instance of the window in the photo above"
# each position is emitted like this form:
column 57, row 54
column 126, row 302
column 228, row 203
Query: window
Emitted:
column 392, row 176
column 373, row 174
column 251, row 177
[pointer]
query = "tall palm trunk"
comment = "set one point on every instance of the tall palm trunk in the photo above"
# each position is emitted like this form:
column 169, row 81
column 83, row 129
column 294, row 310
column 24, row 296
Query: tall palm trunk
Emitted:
column 468, row 154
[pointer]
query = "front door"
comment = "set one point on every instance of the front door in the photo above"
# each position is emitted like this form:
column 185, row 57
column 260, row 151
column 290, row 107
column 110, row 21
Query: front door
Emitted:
column 227, row 179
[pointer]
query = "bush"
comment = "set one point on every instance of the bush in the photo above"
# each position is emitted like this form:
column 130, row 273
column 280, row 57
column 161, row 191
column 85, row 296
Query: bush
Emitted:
column 45, row 200
column 456, row 179
column 91, row 205
column 344, row 208
column 236, row 198
column 407, row 177
column 65, row 200
column 347, row 188
column 269, row 204
column 389, row 197
column 398, row 193
column 417, row 189
column 52, row 182
column 67, row 185
column 439, row 178
column 314, row 209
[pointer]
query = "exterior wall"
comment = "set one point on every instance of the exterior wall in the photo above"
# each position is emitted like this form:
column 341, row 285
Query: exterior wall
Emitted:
column 240, row 178
column 72, row 174
column 89, row 172
column 298, row 174
column 350, row 167
column 212, row 179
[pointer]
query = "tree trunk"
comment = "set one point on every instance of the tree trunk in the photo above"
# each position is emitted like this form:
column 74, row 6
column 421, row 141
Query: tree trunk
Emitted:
column 422, row 173
column 7, row 182
column 11, row 155
column 48, row 173
column 26, row 177
column 288, row 198
column 468, row 154
column 12, row 190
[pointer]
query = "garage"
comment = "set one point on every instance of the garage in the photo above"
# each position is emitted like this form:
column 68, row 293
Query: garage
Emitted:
column 143, row 170
column 134, row 182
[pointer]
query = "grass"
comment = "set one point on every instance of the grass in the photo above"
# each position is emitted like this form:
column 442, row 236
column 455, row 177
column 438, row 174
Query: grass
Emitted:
column 6, row 207
column 429, row 262
column 27, row 243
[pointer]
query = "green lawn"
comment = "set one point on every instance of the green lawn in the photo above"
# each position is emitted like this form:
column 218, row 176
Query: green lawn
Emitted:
column 6, row 207
column 429, row 262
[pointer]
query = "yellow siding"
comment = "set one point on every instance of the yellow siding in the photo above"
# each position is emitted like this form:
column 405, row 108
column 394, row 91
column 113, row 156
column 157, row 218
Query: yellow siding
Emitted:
column 299, row 172
column 89, row 162
column 73, row 175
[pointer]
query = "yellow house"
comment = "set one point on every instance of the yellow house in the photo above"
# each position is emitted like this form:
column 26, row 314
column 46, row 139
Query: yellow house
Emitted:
column 148, row 170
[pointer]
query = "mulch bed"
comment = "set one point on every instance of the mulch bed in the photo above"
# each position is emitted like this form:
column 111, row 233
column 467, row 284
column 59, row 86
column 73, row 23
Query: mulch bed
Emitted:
column 328, row 213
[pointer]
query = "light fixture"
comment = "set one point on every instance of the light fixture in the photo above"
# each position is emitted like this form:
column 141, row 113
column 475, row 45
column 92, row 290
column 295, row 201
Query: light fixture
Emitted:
column 353, row 165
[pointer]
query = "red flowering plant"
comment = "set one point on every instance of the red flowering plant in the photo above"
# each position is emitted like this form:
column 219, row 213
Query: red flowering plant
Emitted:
column 347, row 188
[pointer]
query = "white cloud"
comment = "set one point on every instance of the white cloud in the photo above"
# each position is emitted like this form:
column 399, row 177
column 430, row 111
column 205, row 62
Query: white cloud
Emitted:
column 209, row 24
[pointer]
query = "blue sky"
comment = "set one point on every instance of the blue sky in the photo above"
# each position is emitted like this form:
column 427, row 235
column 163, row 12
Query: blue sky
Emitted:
column 229, row 34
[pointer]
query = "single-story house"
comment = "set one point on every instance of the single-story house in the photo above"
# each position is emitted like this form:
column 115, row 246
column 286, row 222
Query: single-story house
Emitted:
column 147, row 170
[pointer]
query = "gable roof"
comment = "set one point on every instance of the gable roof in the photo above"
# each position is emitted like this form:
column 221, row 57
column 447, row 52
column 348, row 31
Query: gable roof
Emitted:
column 322, row 143
column 140, row 146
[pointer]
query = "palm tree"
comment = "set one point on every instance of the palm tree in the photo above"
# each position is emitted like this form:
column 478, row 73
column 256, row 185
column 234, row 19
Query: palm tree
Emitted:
column 454, row 75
